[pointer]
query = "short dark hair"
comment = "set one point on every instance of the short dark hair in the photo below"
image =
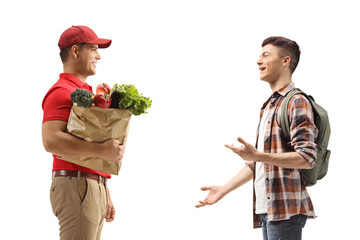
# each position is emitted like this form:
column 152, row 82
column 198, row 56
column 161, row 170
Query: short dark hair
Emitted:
column 64, row 53
column 288, row 47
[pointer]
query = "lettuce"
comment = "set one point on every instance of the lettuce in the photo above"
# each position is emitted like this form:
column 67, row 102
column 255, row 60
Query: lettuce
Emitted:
column 128, row 97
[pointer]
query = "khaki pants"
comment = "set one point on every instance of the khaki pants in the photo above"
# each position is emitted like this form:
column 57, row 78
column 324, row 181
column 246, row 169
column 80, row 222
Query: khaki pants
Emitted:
column 80, row 206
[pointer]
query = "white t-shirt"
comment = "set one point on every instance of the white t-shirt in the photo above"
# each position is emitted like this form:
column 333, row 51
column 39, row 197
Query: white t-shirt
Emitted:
column 260, row 189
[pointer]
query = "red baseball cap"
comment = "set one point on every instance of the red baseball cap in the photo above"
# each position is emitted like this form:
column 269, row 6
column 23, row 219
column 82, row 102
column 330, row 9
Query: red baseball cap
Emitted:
column 81, row 34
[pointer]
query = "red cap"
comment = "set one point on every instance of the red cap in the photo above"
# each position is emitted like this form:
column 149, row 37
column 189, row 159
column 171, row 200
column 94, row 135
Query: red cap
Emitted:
column 81, row 34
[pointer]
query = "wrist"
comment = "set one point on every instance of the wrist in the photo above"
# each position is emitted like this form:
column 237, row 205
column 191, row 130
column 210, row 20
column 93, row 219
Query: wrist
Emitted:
column 226, row 188
column 260, row 157
column 96, row 149
column 108, row 193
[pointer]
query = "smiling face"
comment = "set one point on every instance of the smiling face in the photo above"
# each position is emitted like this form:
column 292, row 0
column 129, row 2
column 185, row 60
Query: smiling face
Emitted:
column 271, row 64
column 87, row 59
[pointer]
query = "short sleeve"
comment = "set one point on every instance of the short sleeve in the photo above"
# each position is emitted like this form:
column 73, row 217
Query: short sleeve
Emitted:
column 57, row 105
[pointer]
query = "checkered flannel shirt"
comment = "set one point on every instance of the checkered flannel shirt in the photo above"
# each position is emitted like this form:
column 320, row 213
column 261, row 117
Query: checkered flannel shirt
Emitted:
column 286, row 196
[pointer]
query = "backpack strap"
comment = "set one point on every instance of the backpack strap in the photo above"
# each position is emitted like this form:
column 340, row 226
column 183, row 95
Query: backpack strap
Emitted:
column 284, row 118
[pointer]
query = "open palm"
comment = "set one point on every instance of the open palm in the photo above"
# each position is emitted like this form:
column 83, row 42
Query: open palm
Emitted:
column 215, row 194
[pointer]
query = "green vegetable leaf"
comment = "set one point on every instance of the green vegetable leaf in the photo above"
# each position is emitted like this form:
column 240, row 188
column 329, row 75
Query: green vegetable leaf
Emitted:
column 130, row 98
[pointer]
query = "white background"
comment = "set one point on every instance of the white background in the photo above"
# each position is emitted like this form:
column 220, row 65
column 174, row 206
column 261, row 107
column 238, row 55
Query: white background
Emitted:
column 197, row 61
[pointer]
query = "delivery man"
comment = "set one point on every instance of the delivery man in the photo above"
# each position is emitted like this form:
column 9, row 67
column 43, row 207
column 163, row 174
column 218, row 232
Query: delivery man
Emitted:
column 79, row 196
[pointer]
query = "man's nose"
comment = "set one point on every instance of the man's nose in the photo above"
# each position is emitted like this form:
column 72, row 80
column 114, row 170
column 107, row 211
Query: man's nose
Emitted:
column 259, row 61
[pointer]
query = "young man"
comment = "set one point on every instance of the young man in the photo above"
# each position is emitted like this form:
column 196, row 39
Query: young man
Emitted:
column 79, row 196
column 281, row 202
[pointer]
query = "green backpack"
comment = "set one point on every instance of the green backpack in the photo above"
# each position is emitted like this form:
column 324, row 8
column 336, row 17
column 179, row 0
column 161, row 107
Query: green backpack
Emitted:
column 309, row 177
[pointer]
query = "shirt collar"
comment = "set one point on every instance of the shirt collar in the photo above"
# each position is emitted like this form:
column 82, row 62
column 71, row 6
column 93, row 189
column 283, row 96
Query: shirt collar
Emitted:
column 281, row 92
column 73, row 79
column 287, row 88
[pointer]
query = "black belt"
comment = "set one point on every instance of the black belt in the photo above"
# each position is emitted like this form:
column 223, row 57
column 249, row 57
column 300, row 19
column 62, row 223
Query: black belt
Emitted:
column 69, row 173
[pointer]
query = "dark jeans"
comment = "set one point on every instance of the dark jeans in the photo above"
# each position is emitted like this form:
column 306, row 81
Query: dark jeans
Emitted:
column 283, row 230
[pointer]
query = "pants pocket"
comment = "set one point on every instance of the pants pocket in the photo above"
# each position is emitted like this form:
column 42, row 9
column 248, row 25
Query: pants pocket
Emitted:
column 299, row 219
column 82, row 188
column 56, row 195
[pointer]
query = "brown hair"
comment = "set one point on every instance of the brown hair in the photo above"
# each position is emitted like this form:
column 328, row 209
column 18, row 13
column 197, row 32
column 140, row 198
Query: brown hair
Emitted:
column 64, row 53
column 288, row 48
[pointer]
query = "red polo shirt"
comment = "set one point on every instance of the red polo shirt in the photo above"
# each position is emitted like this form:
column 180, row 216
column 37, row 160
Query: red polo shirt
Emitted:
column 57, row 106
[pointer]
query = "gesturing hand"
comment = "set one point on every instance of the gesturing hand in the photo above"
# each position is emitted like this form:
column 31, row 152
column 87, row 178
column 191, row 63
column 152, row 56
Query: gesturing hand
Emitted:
column 246, row 151
column 215, row 194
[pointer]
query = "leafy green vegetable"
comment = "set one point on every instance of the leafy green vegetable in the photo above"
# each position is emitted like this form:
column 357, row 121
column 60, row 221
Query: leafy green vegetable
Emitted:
column 129, row 98
column 82, row 97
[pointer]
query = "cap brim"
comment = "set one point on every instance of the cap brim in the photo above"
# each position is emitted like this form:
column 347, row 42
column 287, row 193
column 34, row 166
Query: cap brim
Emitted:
column 101, row 42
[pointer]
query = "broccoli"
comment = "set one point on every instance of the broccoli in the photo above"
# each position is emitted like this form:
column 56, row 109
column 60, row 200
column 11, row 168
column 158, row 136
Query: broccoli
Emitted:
column 82, row 97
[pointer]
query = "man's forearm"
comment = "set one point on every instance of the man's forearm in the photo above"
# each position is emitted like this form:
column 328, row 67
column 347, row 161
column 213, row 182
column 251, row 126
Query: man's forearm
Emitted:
column 57, row 141
column 65, row 144
column 285, row 160
column 240, row 179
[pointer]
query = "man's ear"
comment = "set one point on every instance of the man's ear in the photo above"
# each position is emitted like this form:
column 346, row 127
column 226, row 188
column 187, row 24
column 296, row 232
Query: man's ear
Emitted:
column 74, row 51
column 286, row 61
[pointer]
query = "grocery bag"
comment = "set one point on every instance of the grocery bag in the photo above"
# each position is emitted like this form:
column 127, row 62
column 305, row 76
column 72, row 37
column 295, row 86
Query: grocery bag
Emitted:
column 98, row 125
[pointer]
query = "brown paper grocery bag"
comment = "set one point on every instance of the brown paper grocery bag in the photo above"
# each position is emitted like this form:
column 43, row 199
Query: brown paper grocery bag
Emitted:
column 98, row 125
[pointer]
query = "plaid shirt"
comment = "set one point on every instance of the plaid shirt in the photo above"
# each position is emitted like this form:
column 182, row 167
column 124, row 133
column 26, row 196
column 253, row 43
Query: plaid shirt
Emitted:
column 286, row 196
